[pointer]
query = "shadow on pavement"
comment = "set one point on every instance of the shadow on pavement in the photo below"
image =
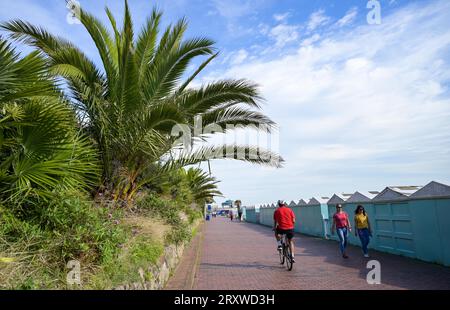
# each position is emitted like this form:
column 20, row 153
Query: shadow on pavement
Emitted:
column 396, row 271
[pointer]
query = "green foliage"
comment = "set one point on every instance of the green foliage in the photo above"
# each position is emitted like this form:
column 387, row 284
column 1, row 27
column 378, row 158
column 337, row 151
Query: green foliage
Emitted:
column 203, row 186
column 111, row 126
column 179, row 235
column 174, row 184
column 85, row 230
column 132, row 103
column 161, row 208
column 125, row 267
column 40, row 150
column 193, row 214
column 50, row 235
column 144, row 252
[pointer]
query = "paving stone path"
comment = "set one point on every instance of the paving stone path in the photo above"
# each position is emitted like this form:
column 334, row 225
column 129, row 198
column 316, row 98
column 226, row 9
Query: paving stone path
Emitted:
column 241, row 256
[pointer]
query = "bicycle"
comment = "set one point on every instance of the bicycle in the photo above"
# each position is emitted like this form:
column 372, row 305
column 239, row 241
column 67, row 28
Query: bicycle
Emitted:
column 285, row 253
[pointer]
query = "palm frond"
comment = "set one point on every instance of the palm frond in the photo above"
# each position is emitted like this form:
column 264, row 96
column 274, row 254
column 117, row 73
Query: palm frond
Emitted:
column 146, row 43
column 219, row 94
column 104, row 43
column 243, row 153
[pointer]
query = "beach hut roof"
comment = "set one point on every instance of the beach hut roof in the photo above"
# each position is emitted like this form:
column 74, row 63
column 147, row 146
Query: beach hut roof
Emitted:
column 301, row 202
column 362, row 196
column 318, row 201
column 432, row 189
column 406, row 190
column 396, row 192
column 336, row 198
column 293, row 203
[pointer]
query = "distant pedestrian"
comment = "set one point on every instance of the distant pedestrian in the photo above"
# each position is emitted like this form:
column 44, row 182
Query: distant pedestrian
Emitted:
column 342, row 225
column 362, row 228
column 231, row 215
column 239, row 209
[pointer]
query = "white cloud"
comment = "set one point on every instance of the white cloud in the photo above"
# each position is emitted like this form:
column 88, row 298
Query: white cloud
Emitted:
column 281, row 17
column 358, row 109
column 317, row 19
column 239, row 57
column 348, row 18
column 264, row 29
column 284, row 34
column 311, row 40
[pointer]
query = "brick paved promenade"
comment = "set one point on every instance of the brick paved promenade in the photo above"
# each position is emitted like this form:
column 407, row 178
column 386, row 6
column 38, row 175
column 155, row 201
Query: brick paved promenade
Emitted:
column 243, row 256
column 239, row 256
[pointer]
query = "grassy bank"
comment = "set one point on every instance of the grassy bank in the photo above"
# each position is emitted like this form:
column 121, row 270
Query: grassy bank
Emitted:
column 111, row 244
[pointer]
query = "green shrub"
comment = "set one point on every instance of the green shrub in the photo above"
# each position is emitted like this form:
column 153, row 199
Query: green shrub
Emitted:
column 48, row 236
column 144, row 252
column 193, row 214
column 178, row 235
column 124, row 268
column 163, row 209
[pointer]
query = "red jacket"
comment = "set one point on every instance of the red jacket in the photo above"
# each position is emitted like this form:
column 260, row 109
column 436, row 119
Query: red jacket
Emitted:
column 284, row 217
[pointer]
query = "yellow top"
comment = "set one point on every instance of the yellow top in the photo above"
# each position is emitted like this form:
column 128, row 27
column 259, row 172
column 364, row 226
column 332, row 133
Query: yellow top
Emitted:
column 362, row 221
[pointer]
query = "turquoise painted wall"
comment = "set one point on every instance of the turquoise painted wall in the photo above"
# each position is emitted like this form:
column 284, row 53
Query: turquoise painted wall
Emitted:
column 251, row 215
column 417, row 228
column 266, row 216
column 431, row 229
column 392, row 222
column 296, row 210
column 310, row 220
column 443, row 219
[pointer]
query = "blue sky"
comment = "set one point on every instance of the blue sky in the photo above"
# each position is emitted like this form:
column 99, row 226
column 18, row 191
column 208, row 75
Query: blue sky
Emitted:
column 359, row 106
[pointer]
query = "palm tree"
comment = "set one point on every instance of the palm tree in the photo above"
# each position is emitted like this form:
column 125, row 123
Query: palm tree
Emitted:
column 203, row 186
column 131, row 104
column 40, row 150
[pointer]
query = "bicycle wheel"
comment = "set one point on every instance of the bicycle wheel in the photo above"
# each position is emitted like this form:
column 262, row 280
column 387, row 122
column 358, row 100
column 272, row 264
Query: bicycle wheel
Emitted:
column 288, row 255
column 281, row 253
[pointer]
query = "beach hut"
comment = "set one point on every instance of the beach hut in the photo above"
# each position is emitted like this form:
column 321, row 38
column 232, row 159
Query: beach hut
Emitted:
column 266, row 215
column 311, row 216
column 250, row 214
column 391, row 193
column 429, row 209
column 392, row 220
column 296, row 207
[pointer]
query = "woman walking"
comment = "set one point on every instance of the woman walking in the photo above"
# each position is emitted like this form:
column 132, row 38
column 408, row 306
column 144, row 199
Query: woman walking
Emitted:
column 362, row 228
column 342, row 225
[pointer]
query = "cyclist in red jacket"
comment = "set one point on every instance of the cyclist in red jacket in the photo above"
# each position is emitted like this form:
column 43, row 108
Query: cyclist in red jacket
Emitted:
column 284, row 221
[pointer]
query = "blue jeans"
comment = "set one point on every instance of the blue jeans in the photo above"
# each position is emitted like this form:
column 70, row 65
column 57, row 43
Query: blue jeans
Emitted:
column 343, row 236
column 365, row 239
